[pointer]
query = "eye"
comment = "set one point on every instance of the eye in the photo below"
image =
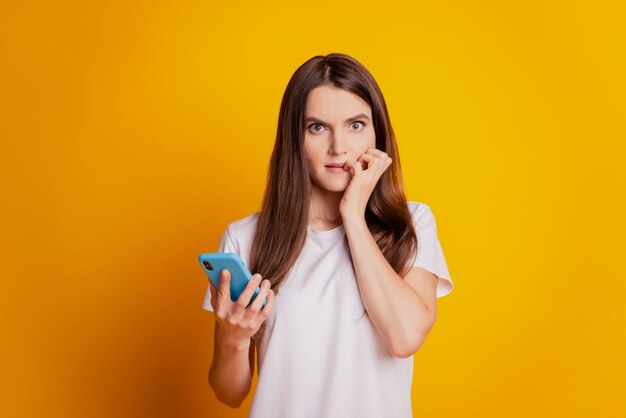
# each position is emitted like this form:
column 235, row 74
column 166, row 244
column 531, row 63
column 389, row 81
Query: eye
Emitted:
column 358, row 121
column 314, row 124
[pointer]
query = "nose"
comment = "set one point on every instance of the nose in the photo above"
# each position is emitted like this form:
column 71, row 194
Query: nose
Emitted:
column 337, row 144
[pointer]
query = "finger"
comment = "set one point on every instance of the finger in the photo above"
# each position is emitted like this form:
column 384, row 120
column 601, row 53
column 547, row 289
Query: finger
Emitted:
column 260, row 297
column 367, row 158
column 376, row 152
column 267, row 309
column 244, row 298
column 223, row 293
column 350, row 165
column 213, row 293
column 381, row 156
column 358, row 168
column 381, row 159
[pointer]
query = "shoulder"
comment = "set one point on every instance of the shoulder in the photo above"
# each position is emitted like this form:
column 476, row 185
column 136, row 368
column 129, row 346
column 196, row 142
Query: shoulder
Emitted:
column 421, row 213
column 243, row 228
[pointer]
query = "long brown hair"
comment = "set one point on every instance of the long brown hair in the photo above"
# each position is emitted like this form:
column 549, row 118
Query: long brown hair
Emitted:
column 282, row 223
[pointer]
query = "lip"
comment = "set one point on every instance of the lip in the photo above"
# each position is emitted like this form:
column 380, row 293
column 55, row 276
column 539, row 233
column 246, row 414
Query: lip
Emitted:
column 336, row 164
column 338, row 170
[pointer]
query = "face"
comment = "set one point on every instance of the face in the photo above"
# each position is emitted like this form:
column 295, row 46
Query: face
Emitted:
column 338, row 125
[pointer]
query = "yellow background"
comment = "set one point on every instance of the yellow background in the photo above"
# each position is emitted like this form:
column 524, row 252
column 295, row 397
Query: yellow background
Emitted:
column 133, row 132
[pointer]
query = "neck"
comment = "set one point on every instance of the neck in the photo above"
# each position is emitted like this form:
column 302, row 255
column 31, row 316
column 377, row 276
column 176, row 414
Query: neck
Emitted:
column 324, row 210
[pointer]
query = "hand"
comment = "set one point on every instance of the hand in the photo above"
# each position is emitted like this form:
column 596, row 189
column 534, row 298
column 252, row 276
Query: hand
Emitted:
column 236, row 324
column 363, row 181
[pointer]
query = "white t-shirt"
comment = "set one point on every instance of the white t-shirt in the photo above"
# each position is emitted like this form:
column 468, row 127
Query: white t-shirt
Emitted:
column 320, row 355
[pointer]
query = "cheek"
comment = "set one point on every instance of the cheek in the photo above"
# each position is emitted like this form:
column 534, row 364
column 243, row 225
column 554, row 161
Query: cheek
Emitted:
column 368, row 143
column 313, row 152
column 309, row 152
column 312, row 161
column 372, row 139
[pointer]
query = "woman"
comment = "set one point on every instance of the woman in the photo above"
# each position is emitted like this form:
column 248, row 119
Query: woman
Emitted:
column 350, row 294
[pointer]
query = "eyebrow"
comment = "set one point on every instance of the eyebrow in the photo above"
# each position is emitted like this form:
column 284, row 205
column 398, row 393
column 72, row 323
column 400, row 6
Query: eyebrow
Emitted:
column 359, row 116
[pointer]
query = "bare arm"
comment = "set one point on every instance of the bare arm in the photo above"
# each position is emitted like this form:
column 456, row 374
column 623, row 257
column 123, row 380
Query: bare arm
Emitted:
column 235, row 325
column 403, row 311
column 230, row 375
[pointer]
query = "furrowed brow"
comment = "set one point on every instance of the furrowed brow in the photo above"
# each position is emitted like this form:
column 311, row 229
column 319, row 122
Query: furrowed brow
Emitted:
column 355, row 117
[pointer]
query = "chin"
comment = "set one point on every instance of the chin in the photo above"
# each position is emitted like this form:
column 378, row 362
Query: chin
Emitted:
column 337, row 189
column 333, row 186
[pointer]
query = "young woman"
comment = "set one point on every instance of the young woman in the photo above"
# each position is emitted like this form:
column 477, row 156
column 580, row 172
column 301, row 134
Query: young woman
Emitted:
column 350, row 269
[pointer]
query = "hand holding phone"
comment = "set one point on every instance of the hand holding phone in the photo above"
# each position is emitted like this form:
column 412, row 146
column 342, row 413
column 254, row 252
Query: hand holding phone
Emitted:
column 240, row 306
column 214, row 263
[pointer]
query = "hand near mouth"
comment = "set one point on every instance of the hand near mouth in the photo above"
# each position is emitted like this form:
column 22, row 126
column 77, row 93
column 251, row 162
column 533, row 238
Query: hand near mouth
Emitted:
column 366, row 171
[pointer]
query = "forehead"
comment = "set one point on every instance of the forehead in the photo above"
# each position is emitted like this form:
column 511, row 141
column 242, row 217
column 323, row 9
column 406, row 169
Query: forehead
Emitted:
column 328, row 102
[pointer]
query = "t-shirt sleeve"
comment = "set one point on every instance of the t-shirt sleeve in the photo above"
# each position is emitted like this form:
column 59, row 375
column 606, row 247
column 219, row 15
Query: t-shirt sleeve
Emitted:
column 227, row 245
column 429, row 252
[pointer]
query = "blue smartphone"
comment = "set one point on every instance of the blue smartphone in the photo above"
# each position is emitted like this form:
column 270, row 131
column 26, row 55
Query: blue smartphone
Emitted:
column 214, row 263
